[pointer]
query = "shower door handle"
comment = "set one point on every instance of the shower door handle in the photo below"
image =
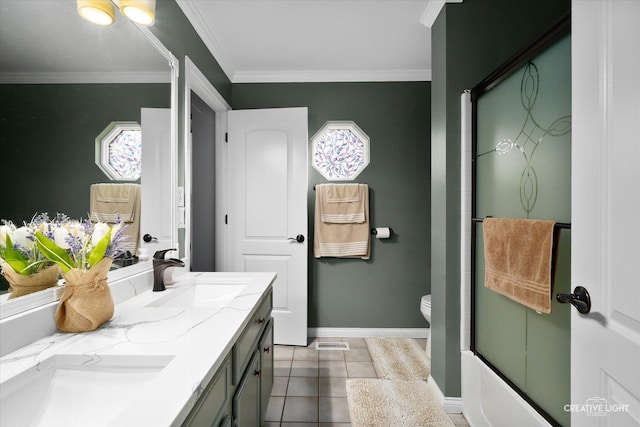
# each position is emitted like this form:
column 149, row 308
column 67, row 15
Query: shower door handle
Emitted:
column 299, row 238
column 580, row 299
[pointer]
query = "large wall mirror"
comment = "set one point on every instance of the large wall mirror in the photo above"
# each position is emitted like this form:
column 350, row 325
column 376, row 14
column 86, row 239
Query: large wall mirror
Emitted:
column 63, row 80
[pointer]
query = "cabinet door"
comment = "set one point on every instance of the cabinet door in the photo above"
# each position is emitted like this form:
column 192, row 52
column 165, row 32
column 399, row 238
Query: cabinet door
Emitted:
column 265, row 347
column 246, row 402
column 214, row 402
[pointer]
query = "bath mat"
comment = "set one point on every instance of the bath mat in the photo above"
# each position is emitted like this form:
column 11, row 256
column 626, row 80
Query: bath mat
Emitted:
column 384, row 403
column 399, row 358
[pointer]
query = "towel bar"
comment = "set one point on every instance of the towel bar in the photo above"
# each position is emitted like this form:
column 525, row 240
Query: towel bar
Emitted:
column 563, row 225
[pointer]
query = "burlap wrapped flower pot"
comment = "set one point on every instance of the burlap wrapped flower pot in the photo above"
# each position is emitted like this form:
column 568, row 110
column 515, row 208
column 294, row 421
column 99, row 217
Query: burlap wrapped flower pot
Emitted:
column 20, row 284
column 86, row 302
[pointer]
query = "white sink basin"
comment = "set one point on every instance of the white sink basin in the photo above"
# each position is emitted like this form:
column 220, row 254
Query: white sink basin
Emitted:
column 199, row 295
column 77, row 390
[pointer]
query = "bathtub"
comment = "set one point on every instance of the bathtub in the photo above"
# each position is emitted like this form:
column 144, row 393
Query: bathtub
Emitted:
column 488, row 401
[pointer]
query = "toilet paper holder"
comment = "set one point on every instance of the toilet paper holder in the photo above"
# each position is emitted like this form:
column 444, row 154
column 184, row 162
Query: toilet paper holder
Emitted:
column 374, row 231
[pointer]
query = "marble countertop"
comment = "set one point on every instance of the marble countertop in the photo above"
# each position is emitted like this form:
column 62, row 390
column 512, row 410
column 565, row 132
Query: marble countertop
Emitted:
column 194, row 341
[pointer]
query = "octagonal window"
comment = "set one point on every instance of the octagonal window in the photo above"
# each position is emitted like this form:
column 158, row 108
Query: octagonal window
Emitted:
column 340, row 151
column 119, row 151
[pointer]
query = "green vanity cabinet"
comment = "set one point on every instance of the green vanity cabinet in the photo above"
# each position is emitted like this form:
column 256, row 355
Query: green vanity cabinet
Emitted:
column 213, row 408
column 265, row 348
column 246, row 409
column 239, row 392
column 254, row 390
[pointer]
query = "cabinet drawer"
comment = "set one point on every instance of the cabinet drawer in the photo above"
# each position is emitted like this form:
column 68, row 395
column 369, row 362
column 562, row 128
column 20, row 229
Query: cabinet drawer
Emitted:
column 213, row 399
column 247, row 341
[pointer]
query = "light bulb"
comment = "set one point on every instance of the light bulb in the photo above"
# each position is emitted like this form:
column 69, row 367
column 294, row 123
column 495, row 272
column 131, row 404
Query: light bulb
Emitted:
column 139, row 11
column 100, row 12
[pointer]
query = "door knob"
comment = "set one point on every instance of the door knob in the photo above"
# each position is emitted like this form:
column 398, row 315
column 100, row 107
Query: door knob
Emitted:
column 299, row 238
column 148, row 238
column 580, row 299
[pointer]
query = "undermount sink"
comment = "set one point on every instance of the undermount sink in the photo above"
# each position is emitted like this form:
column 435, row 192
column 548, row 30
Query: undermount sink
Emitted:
column 74, row 390
column 199, row 295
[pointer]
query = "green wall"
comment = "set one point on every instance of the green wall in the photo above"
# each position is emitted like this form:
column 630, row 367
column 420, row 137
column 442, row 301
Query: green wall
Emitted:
column 385, row 291
column 48, row 132
column 469, row 41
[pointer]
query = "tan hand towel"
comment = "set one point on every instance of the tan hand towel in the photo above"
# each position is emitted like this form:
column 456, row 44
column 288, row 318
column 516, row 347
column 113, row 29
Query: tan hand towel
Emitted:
column 343, row 193
column 339, row 204
column 518, row 260
column 344, row 240
column 108, row 200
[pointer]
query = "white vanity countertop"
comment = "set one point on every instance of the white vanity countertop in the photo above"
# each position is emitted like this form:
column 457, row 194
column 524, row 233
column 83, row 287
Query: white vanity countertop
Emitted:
column 198, row 339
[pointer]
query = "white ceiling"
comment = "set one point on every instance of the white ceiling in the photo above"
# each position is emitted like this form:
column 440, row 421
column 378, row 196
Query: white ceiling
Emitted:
column 316, row 40
column 46, row 41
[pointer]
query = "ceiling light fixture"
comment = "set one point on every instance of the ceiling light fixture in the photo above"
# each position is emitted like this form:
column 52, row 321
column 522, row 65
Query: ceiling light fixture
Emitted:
column 101, row 12
column 142, row 12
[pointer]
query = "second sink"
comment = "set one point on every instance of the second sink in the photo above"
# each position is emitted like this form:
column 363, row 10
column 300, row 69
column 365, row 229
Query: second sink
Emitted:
column 199, row 295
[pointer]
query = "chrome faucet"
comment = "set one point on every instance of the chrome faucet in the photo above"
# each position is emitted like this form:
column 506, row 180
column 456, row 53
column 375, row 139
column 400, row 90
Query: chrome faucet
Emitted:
column 160, row 265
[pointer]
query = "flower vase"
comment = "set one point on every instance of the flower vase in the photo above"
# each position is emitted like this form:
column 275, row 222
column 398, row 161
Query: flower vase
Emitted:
column 86, row 302
column 21, row 284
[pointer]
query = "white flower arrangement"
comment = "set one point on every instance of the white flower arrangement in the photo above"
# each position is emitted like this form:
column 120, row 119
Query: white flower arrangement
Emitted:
column 79, row 244
column 18, row 246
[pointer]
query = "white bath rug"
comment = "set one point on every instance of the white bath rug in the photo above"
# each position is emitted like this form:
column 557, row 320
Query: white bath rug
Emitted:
column 394, row 403
column 399, row 358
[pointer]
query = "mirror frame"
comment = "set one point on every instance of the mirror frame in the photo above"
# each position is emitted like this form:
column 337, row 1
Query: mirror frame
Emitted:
column 52, row 295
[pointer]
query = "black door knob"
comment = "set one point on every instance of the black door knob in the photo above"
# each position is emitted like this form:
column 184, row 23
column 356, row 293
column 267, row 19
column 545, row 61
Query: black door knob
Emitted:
column 580, row 299
column 299, row 238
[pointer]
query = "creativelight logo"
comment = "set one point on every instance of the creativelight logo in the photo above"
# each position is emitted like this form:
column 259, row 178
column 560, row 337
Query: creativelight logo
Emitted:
column 597, row 407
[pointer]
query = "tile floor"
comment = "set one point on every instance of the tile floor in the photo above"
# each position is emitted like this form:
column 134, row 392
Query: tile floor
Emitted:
column 309, row 386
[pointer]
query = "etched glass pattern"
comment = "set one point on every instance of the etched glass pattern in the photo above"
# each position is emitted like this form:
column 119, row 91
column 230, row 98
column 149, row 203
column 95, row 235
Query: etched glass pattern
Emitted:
column 340, row 152
column 125, row 154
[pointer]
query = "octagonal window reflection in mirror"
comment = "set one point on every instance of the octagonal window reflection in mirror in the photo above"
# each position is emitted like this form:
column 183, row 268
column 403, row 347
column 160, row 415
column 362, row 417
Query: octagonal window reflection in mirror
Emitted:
column 119, row 151
column 340, row 151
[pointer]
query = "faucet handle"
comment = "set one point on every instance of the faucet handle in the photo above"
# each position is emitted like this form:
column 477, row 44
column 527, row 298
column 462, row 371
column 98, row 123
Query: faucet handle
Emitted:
column 159, row 255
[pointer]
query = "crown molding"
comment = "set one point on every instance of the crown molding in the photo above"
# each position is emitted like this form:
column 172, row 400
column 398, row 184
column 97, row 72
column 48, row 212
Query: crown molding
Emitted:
column 90, row 77
column 331, row 76
column 432, row 11
column 199, row 24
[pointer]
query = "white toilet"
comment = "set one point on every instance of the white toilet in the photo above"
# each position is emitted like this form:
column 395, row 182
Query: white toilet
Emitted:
column 425, row 309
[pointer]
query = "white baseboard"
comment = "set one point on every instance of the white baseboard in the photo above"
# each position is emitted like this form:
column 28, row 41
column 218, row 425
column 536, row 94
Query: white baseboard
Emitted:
column 368, row 332
column 451, row 405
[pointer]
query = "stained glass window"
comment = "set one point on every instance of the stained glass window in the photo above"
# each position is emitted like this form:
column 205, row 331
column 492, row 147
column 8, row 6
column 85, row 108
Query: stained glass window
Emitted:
column 119, row 151
column 340, row 151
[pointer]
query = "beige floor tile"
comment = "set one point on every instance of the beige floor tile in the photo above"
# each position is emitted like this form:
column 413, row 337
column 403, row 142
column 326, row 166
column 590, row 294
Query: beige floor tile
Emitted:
column 274, row 409
column 333, row 409
column 361, row 370
column 459, row 420
column 332, row 387
column 304, row 368
column 299, row 425
column 300, row 409
column 334, row 425
column 281, row 368
column 331, row 354
column 283, row 352
column 303, row 386
column 305, row 353
column 332, row 368
column 280, row 386
column 357, row 355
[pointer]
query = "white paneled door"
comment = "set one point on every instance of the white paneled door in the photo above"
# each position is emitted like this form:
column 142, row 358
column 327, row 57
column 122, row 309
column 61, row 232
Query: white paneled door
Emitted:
column 267, row 217
column 155, row 216
column 605, row 343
